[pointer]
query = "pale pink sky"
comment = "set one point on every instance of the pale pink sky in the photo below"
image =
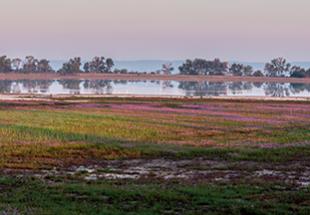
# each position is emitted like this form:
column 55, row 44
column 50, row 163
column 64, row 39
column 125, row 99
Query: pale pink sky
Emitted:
column 248, row 30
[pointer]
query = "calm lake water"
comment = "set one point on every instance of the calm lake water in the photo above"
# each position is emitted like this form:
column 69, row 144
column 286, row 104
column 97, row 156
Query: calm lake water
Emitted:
column 164, row 88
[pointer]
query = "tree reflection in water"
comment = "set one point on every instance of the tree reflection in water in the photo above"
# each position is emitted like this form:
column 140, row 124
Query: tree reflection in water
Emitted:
column 258, row 84
column 299, row 88
column 167, row 84
column 238, row 87
column 72, row 85
column 5, row 86
column 37, row 86
column 277, row 89
column 203, row 88
column 99, row 86
column 122, row 82
column 220, row 89
column 200, row 89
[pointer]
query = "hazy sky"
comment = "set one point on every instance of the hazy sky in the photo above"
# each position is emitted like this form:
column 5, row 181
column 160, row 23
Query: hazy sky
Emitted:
column 248, row 30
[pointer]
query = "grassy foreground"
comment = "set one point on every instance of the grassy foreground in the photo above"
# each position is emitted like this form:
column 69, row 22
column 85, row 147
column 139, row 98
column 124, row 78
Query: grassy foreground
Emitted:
column 154, row 156
column 35, row 197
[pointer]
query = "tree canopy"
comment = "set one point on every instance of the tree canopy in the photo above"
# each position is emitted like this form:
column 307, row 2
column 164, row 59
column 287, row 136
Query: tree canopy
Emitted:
column 277, row 67
column 5, row 64
column 241, row 70
column 99, row 64
column 72, row 66
column 204, row 67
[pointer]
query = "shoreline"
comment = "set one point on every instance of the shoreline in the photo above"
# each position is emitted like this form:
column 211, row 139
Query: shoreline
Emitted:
column 148, row 77
column 87, row 97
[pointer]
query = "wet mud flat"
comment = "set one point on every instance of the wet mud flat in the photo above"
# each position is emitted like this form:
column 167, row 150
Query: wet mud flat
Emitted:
column 194, row 171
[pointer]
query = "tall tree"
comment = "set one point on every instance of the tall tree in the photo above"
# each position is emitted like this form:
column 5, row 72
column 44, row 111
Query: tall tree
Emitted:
column 97, row 65
column 247, row 70
column 298, row 72
column 204, row 67
column 72, row 66
column 30, row 64
column 188, row 68
column 109, row 64
column 167, row 69
column 44, row 66
column 86, row 67
column 277, row 67
column 5, row 64
column 241, row 70
column 17, row 63
column 308, row 73
column 236, row 69
column 258, row 73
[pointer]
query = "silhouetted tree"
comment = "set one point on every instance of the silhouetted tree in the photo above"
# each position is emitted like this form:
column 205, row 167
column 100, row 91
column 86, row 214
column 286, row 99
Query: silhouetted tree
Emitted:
column 121, row 71
column 241, row 70
column 277, row 67
column 99, row 64
column 16, row 64
column 73, row 66
column 258, row 73
column 167, row 69
column 203, row 67
column 5, row 64
column 86, row 67
column 30, row 64
column 44, row 66
column 298, row 72
column 236, row 69
column 247, row 70
column 110, row 64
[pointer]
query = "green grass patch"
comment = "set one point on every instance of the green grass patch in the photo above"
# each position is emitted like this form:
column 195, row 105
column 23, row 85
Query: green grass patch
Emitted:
column 31, row 195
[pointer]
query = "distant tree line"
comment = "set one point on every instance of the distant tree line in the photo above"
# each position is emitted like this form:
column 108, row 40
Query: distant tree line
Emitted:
column 32, row 65
column 278, row 67
column 29, row 64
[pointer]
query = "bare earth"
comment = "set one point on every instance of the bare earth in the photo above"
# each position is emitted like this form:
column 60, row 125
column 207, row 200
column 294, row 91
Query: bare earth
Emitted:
column 138, row 77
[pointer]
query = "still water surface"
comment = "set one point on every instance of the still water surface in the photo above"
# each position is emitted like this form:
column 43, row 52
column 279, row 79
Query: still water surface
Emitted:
column 159, row 88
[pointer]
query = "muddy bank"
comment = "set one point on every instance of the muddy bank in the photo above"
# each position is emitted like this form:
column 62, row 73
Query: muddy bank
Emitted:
column 198, row 170
column 142, row 77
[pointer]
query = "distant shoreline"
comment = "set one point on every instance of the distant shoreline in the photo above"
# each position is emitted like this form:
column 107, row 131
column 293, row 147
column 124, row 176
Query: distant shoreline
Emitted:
column 147, row 77
column 87, row 97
